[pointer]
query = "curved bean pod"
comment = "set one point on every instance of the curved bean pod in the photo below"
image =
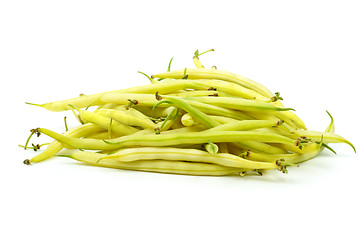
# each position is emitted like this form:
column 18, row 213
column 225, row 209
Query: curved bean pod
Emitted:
column 79, row 102
column 200, row 137
column 222, row 119
column 196, row 114
column 259, row 147
column 199, row 93
column 169, row 139
column 150, row 100
column 103, row 135
column 328, row 137
column 126, row 118
column 217, row 74
column 105, row 122
column 238, row 104
column 289, row 117
column 245, row 125
column 216, row 110
column 159, row 166
column 56, row 146
column 312, row 149
column 229, row 88
column 163, row 88
column 297, row 157
column 288, row 157
column 193, row 155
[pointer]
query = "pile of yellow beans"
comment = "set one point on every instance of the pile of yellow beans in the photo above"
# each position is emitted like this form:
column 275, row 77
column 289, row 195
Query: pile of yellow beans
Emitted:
column 193, row 121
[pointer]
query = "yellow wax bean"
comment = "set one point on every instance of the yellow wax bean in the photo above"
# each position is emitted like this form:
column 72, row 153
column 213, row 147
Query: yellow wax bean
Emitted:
column 159, row 166
column 56, row 146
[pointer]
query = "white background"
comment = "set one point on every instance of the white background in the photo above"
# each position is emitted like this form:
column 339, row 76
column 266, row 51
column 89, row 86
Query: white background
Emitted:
column 52, row 50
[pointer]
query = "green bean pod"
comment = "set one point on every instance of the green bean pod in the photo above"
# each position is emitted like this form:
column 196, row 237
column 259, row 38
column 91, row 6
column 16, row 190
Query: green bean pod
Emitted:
column 198, row 116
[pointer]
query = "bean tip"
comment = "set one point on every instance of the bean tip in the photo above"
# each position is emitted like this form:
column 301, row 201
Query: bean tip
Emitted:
column 158, row 97
column 33, row 104
column 27, row 162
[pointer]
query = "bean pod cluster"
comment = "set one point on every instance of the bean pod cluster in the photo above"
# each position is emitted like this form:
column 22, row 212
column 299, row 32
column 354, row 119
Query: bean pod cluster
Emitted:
column 193, row 121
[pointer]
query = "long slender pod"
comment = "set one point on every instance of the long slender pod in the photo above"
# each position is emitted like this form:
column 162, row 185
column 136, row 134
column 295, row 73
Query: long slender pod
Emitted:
column 198, row 116
column 309, row 152
column 159, row 166
column 105, row 122
column 56, row 146
column 126, row 118
column 169, row 139
column 216, row 74
column 238, row 104
column 246, row 125
column 163, row 88
column 192, row 155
